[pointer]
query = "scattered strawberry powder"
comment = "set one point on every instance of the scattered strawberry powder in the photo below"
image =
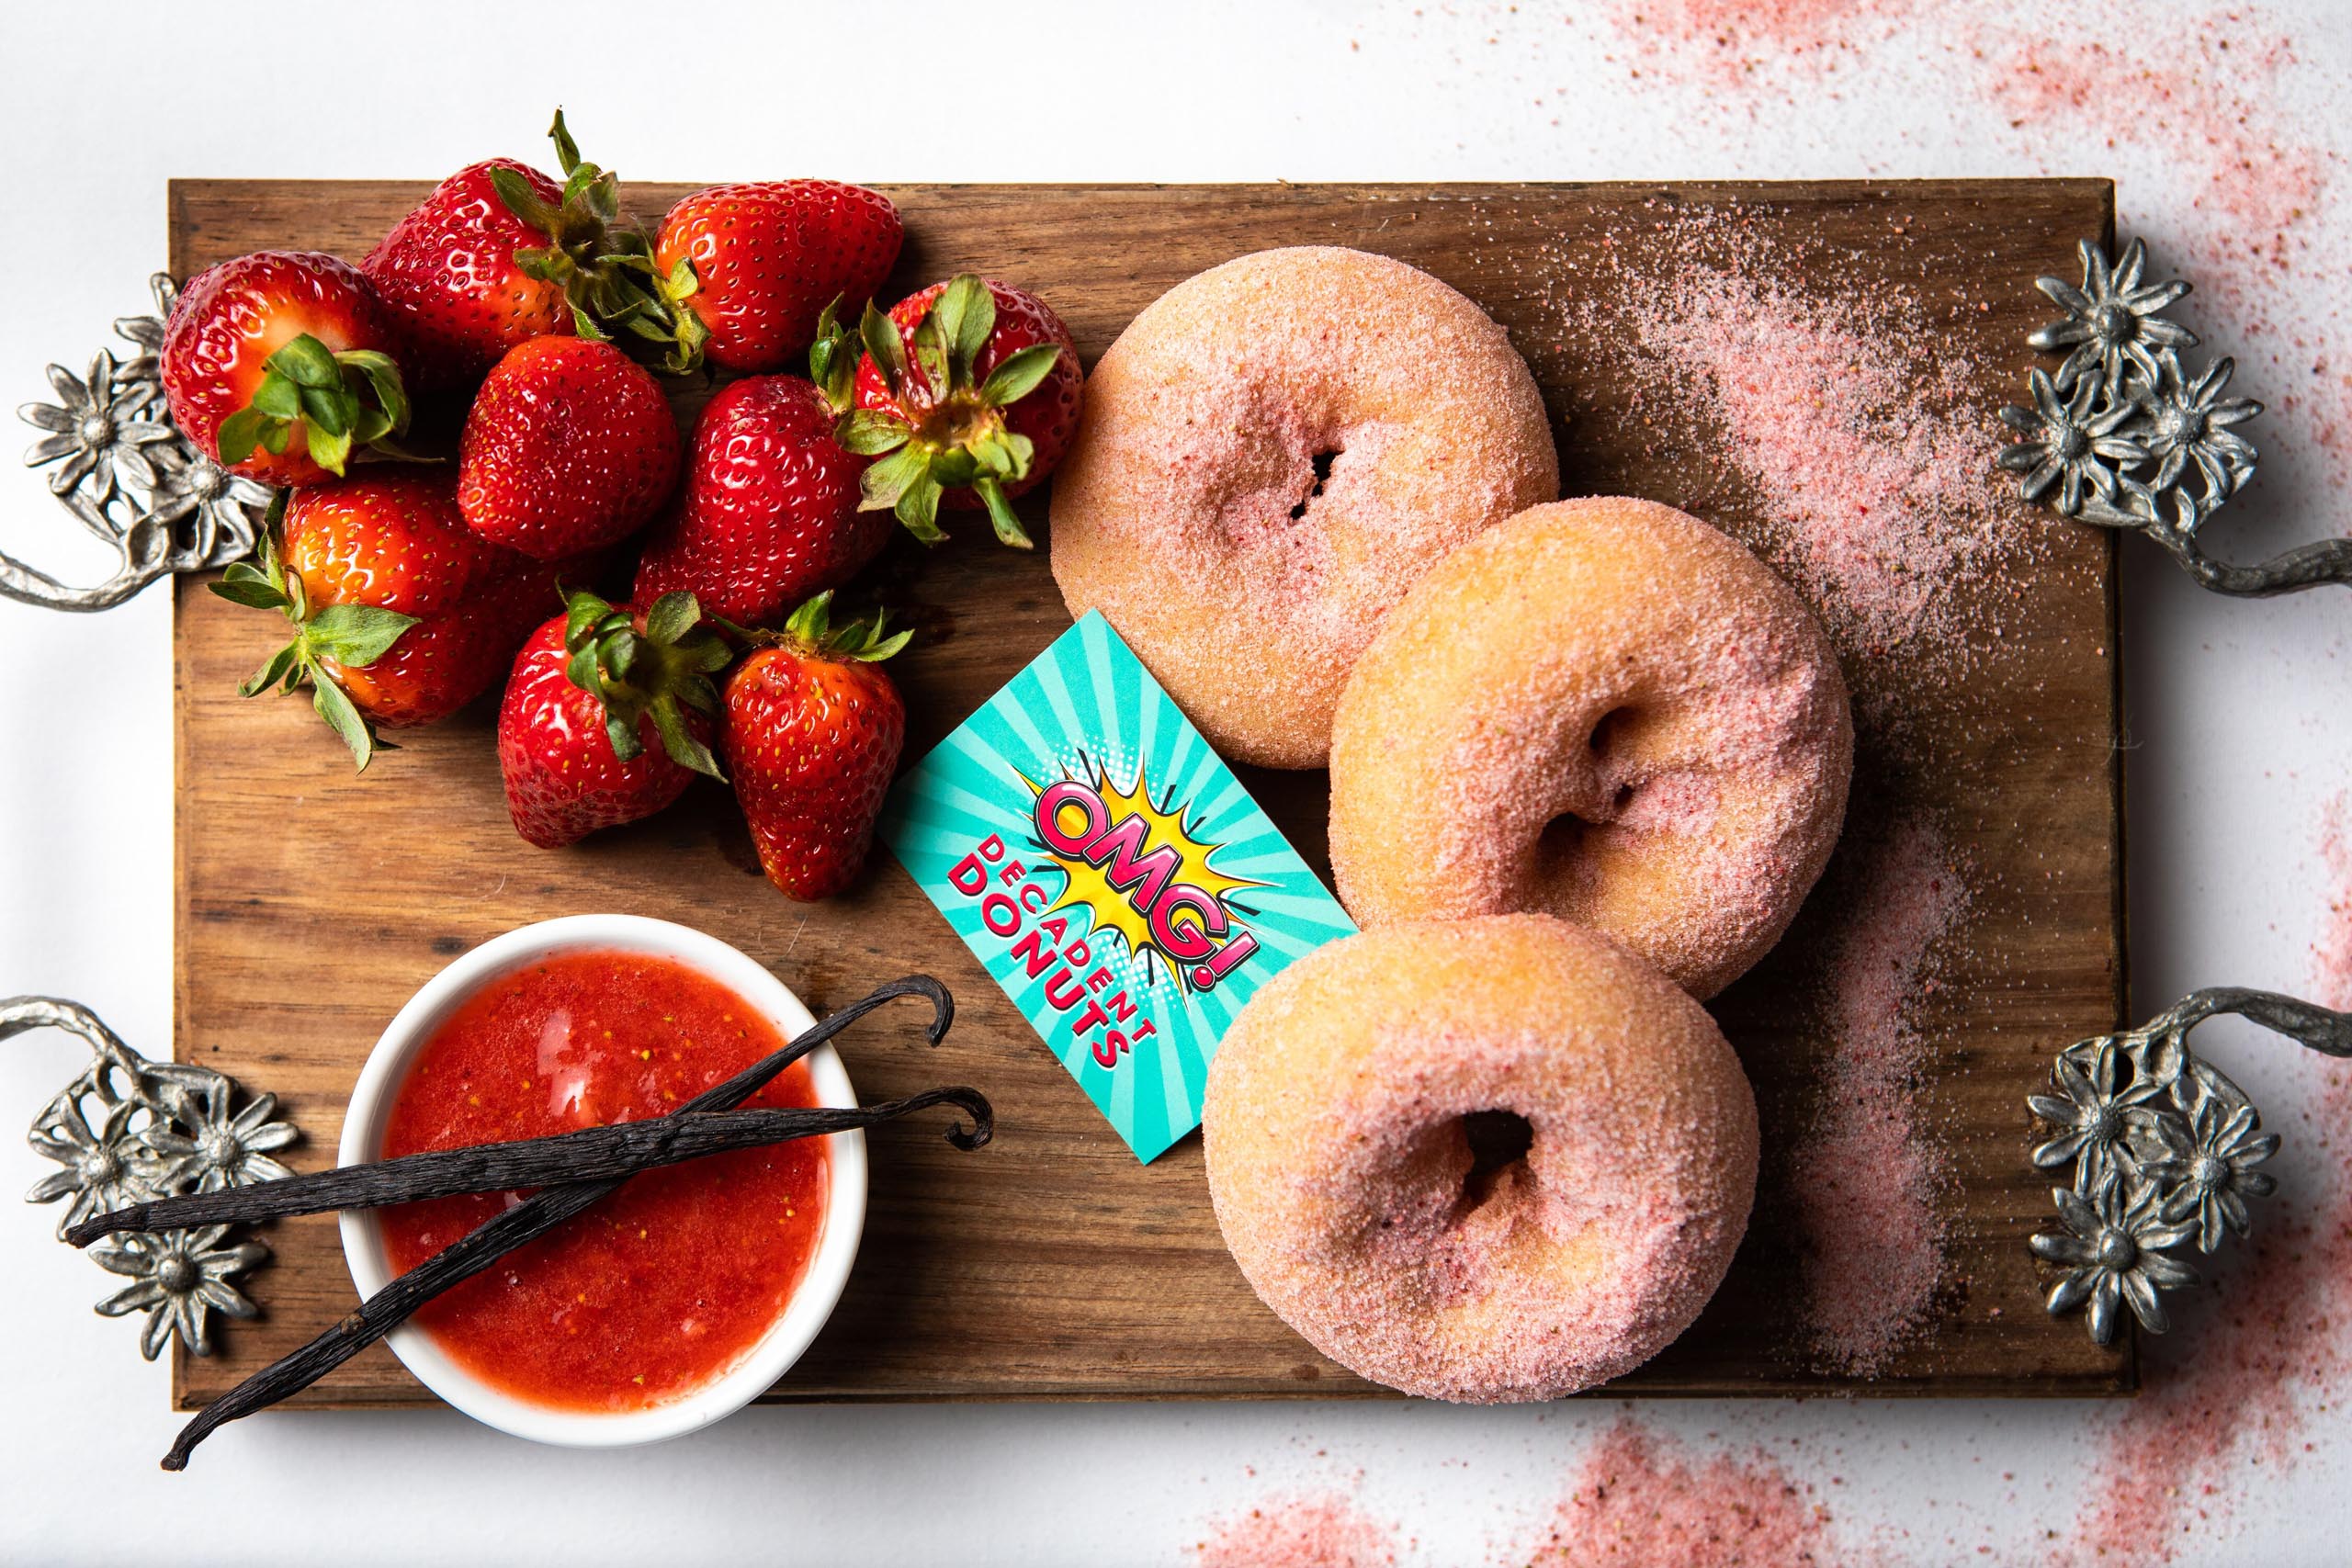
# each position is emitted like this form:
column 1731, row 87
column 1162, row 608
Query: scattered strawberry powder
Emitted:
column 1875, row 476
column 1875, row 496
column 2232, row 1389
column 1638, row 1499
column 1726, row 46
column 2207, row 92
column 1866, row 1176
column 1323, row 1529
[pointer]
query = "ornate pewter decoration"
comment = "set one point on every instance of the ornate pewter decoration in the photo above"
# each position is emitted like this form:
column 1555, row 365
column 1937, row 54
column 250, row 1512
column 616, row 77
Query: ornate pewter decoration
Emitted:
column 129, row 477
column 178, row 1278
column 128, row 1130
column 2162, row 1146
column 2125, row 436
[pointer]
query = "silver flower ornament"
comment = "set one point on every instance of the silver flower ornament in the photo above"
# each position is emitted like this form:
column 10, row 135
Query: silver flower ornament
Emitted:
column 100, row 429
column 2208, row 1173
column 128, row 475
column 2111, row 323
column 179, row 1278
column 129, row 1129
column 2183, row 419
column 208, row 1147
column 2163, row 1154
column 2097, row 1116
column 2161, row 422
column 2113, row 1253
column 2076, row 445
column 103, row 1168
column 216, row 513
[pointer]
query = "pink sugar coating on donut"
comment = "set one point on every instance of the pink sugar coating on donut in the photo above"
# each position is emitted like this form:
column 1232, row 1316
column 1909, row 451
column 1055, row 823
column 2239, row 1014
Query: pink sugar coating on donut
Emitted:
column 1763, row 711
column 1192, row 515
column 1867, row 1176
column 1252, row 471
column 1318, row 1529
column 1638, row 1499
column 1429, row 1247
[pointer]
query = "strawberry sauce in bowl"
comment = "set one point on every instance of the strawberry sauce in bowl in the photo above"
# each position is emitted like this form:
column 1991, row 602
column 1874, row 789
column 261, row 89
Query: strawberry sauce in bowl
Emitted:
column 681, row 1296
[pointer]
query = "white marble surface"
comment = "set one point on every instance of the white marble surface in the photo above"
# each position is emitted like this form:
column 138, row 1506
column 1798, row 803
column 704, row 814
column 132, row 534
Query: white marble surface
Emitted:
column 2237, row 732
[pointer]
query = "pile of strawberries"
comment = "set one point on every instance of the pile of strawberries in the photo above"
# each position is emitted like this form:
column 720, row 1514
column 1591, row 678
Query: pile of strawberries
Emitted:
column 526, row 320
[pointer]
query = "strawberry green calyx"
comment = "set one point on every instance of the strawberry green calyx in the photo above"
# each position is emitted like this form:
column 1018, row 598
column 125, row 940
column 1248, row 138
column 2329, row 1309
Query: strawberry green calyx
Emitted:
column 833, row 357
column 340, row 400
column 664, row 319
column 810, row 629
column 656, row 670
column 590, row 253
column 949, row 432
column 347, row 636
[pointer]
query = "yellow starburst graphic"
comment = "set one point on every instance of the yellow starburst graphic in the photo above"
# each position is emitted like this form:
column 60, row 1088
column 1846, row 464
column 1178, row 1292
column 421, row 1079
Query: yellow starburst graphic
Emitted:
column 1116, row 890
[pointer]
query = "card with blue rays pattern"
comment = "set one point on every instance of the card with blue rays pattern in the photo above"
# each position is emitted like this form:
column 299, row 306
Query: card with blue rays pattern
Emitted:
column 1112, row 874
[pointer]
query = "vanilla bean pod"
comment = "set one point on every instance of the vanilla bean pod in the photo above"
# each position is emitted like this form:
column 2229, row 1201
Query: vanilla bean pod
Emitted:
column 590, row 1154
column 517, row 1226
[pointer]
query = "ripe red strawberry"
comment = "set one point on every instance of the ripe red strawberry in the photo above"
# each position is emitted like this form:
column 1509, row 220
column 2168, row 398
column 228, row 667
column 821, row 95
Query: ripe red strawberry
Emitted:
column 401, row 615
column 811, row 734
column 607, row 716
column 569, row 447
column 769, row 513
column 277, row 365
column 972, row 388
column 748, row 268
column 448, row 269
column 497, row 254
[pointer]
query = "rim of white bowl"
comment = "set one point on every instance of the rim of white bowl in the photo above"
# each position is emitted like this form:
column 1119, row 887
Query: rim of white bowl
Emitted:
column 820, row 1287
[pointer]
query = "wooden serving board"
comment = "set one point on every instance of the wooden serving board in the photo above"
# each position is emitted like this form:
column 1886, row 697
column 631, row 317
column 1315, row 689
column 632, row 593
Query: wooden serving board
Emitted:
column 311, row 903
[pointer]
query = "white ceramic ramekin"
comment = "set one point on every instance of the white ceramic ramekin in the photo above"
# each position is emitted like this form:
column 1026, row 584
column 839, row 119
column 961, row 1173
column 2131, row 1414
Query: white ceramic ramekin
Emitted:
column 379, row 1081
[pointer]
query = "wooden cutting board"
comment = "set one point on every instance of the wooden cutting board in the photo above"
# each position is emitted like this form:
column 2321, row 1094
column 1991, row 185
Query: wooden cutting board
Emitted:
column 311, row 903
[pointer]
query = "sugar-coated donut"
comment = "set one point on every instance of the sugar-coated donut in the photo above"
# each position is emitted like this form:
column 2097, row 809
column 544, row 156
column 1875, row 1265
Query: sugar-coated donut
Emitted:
column 1605, row 710
column 1342, row 1169
column 1269, row 455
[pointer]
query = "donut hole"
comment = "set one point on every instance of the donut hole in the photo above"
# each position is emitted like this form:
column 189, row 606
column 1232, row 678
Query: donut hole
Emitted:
column 1498, row 1143
column 1612, row 734
column 1611, row 744
column 1322, row 461
column 1562, row 839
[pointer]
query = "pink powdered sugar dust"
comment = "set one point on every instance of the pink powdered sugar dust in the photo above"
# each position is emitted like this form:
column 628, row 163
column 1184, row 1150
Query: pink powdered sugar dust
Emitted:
column 1321, row 1529
column 1636, row 1499
column 1873, row 474
column 1866, row 1176
column 2202, row 96
column 2231, row 1392
column 1729, row 46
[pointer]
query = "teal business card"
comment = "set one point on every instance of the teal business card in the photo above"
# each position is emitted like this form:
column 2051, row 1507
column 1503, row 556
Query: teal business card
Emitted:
column 1112, row 873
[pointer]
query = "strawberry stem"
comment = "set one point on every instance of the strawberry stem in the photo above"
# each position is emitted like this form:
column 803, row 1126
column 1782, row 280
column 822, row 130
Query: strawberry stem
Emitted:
column 605, row 266
column 350, row 637
column 945, row 429
column 811, row 629
column 338, row 399
column 656, row 671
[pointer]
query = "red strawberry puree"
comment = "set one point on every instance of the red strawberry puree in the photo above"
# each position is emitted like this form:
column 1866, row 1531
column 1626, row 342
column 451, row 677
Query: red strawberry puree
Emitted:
column 664, row 1285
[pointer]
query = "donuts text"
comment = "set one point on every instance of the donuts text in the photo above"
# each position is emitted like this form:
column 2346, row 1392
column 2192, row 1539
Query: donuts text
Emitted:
column 1044, row 943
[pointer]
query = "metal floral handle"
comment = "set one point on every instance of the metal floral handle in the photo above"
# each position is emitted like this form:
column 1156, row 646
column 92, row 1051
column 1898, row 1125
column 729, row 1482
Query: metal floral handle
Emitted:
column 2164, row 1148
column 129, row 477
column 128, row 1130
column 2123, row 434
column 2305, row 565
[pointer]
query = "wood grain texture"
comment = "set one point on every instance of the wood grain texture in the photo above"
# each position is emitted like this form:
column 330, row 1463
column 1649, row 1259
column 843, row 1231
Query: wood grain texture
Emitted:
column 311, row 903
